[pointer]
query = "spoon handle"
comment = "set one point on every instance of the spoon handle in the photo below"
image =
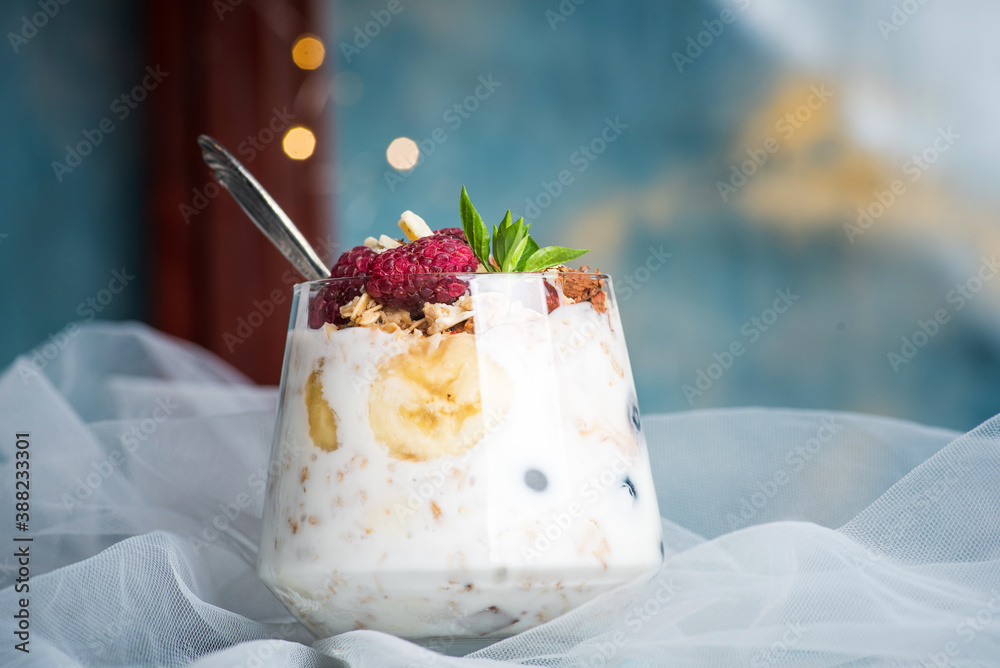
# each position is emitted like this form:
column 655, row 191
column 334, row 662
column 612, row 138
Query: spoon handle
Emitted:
column 262, row 209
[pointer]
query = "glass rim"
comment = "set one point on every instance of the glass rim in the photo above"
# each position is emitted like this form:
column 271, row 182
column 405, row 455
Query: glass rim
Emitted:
column 464, row 275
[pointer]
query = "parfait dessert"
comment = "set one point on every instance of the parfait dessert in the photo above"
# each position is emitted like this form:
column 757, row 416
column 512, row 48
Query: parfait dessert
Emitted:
column 458, row 451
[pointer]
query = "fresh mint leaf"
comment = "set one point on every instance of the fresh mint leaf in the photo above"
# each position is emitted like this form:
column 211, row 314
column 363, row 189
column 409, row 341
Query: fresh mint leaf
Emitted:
column 511, row 234
column 529, row 249
column 510, row 262
column 499, row 233
column 516, row 233
column 475, row 229
column 506, row 222
column 513, row 248
column 550, row 256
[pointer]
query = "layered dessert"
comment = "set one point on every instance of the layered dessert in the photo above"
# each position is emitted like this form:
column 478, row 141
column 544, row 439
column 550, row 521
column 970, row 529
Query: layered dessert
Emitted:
column 458, row 452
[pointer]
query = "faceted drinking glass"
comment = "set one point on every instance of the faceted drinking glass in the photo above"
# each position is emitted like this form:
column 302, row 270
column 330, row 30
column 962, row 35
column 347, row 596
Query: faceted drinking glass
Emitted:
column 460, row 478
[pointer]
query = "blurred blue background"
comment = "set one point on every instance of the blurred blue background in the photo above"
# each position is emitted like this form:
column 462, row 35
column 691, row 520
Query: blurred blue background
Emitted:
column 740, row 138
column 878, row 96
column 60, row 238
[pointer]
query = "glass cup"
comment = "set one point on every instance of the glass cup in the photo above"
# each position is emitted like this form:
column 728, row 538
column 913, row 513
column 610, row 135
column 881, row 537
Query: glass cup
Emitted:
column 461, row 477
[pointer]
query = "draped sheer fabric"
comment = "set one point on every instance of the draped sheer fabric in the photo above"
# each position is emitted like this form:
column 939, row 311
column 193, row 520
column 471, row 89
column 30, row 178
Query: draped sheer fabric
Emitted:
column 793, row 537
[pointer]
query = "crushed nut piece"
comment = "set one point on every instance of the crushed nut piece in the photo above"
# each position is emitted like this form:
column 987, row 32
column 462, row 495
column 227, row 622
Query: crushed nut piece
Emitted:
column 467, row 327
column 348, row 309
column 571, row 286
column 551, row 297
column 578, row 286
column 600, row 302
column 398, row 317
column 358, row 303
column 387, row 242
column 368, row 318
column 362, row 311
column 581, row 286
column 445, row 316
column 413, row 226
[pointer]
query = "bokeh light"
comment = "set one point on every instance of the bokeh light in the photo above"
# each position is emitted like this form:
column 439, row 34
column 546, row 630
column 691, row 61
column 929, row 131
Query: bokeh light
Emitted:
column 308, row 52
column 403, row 154
column 299, row 143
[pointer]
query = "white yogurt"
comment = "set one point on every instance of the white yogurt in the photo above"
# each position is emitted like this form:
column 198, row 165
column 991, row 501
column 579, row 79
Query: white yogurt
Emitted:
column 552, row 507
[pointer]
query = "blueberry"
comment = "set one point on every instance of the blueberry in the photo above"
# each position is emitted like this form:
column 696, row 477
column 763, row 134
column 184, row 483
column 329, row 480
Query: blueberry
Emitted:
column 630, row 486
column 634, row 416
column 536, row 480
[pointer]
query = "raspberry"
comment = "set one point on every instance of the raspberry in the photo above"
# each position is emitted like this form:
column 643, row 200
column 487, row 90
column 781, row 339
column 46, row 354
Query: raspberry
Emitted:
column 355, row 262
column 325, row 306
column 456, row 232
column 396, row 279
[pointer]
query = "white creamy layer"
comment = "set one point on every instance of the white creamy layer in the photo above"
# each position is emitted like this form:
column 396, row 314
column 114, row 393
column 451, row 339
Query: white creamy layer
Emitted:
column 555, row 505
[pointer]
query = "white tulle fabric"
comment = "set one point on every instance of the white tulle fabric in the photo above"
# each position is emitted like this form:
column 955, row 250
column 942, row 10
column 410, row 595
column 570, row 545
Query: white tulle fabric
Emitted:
column 793, row 538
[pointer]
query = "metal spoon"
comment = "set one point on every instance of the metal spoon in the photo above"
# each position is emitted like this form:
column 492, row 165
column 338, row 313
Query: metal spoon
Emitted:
column 262, row 209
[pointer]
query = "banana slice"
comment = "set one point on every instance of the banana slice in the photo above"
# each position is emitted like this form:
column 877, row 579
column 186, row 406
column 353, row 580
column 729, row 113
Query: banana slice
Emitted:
column 427, row 402
column 386, row 242
column 322, row 419
column 413, row 226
